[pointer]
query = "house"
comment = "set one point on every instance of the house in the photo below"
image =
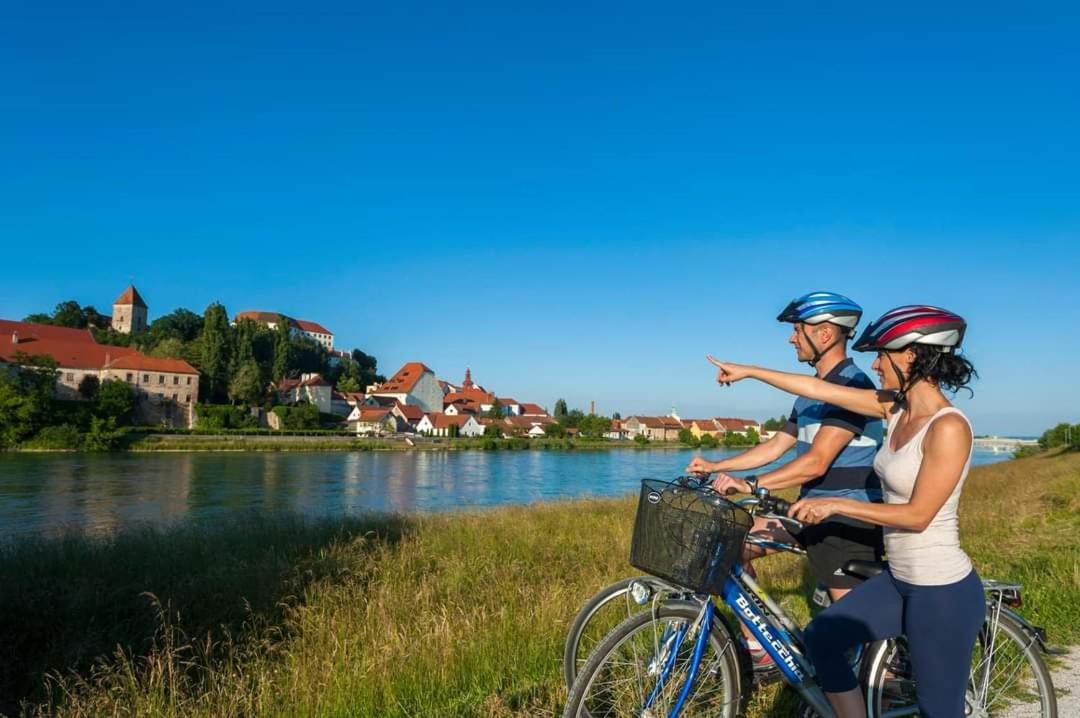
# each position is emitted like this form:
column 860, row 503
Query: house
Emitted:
column 373, row 421
column 461, row 406
column 414, row 384
column 528, row 409
column 738, row 426
column 510, row 407
column 530, row 426
column 129, row 312
column 342, row 402
column 701, row 427
column 438, row 424
column 297, row 327
column 654, row 428
column 617, row 431
column 470, row 392
column 409, row 414
column 309, row 389
column 166, row 390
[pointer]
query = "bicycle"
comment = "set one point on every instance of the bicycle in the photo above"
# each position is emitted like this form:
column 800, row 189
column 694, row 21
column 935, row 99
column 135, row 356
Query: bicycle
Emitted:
column 663, row 650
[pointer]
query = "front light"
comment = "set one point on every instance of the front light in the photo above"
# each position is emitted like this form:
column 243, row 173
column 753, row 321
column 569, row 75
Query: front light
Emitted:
column 640, row 593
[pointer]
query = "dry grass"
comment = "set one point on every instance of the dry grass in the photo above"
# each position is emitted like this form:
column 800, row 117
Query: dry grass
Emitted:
column 465, row 615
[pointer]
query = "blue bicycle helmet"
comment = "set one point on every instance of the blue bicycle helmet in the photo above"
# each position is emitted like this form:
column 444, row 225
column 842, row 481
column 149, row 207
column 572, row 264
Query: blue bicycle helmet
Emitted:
column 818, row 308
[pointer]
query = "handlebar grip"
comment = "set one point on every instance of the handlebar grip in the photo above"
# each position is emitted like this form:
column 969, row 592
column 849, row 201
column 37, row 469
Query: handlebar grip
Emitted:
column 779, row 506
column 730, row 490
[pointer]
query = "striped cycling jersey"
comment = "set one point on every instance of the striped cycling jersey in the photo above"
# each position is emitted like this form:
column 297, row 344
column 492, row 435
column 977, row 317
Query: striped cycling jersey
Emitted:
column 851, row 474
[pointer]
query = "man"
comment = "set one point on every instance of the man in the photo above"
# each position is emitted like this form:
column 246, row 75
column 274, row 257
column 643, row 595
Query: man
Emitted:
column 834, row 452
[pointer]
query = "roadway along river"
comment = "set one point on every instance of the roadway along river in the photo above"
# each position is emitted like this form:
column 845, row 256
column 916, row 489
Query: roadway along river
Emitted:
column 46, row 493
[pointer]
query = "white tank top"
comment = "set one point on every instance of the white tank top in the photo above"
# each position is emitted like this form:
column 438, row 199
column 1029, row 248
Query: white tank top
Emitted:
column 932, row 557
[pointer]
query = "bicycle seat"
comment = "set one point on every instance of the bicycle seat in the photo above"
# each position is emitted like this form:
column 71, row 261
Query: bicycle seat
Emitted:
column 864, row 569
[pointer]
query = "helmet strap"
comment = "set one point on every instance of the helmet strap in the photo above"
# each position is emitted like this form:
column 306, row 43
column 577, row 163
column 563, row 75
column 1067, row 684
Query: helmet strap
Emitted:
column 842, row 335
column 906, row 383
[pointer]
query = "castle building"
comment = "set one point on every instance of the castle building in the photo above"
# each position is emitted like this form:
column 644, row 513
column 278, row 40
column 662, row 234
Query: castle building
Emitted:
column 129, row 312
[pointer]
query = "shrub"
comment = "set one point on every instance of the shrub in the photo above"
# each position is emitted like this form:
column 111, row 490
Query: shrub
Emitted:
column 215, row 417
column 641, row 439
column 64, row 436
column 301, row 416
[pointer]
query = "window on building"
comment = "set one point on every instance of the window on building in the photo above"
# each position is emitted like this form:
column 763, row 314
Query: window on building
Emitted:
column 160, row 378
column 145, row 378
column 189, row 381
column 187, row 399
column 130, row 377
column 70, row 376
column 174, row 397
column 175, row 380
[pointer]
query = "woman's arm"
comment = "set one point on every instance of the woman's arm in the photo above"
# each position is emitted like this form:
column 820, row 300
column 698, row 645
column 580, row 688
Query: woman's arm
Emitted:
column 868, row 402
column 945, row 451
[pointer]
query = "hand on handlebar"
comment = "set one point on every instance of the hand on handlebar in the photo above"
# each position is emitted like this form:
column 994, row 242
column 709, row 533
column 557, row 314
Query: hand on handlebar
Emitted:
column 813, row 511
column 725, row 484
column 698, row 466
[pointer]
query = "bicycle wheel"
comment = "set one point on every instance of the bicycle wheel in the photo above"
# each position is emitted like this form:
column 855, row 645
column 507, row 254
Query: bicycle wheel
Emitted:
column 601, row 613
column 1008, row 676
column 623, row 675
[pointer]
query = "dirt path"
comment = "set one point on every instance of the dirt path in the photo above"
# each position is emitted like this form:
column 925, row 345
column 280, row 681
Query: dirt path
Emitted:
column 1066, row 677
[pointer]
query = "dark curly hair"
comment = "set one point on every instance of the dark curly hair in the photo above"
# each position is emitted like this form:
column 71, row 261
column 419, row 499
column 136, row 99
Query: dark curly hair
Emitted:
column 948, row 370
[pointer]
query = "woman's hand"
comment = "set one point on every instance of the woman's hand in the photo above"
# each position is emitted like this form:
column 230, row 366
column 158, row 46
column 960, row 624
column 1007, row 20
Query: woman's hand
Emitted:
column 729, row 372
column 723, row 482
column 814, row 511
column 699, row 466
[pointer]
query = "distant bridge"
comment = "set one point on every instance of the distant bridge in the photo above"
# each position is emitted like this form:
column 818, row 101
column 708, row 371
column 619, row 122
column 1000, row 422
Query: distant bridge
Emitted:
column 1002, row 443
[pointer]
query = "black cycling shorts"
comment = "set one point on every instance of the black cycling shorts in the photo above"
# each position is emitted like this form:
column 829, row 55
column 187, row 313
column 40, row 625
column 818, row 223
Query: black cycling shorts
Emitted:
column 832, row 544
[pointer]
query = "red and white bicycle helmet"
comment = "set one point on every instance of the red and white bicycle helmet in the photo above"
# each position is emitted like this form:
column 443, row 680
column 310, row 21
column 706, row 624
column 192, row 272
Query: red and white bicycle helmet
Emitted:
column 899, row 328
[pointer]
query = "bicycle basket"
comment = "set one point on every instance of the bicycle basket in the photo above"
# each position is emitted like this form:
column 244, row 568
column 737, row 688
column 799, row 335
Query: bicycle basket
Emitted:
column 688, row 536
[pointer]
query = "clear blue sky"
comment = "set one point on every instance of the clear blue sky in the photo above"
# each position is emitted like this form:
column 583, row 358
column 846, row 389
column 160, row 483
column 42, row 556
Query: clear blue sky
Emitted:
column 574, row 200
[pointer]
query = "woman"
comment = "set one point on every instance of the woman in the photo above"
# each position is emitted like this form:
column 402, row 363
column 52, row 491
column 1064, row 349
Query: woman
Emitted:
column 931, row 594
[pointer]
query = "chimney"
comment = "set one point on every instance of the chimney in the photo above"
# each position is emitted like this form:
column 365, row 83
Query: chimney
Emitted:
column 14, row 337
column 592, row 407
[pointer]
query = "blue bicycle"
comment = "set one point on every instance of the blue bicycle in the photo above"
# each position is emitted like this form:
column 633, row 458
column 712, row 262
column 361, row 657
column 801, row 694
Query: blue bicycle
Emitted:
column 680, row 658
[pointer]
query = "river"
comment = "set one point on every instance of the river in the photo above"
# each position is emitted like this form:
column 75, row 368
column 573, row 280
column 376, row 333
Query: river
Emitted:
column 100, row 493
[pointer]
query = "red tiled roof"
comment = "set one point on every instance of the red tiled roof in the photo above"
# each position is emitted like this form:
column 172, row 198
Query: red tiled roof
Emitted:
column 141, row 362
column 315, row 327
column 471, row 395
column 527, row 421
column 410, row 411
column 507, row 401
column 528, row 408
column 442, row 421
column 71, row 348
column 659, row 422
column 403, row 381
column 261, row 317
column 732, row 424
column 131, row 296
column 373, row 413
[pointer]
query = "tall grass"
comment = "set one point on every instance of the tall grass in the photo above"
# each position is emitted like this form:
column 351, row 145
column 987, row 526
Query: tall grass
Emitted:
column 450, row 615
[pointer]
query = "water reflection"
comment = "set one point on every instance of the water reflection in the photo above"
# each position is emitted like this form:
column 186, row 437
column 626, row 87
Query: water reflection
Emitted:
column 99, row 493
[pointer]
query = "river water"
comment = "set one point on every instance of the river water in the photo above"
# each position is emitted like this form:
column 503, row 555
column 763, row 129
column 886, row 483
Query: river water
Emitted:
column 99, row 493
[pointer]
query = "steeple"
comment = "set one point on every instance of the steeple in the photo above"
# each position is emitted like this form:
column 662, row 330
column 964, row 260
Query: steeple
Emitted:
column 129, row 312
column 468, row 383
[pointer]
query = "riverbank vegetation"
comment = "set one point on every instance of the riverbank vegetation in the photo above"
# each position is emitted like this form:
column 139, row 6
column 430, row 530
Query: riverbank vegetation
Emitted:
column 443, row 615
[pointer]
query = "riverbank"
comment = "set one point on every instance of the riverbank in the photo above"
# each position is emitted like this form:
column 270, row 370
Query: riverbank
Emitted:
column 234, row 442
column 434, row 615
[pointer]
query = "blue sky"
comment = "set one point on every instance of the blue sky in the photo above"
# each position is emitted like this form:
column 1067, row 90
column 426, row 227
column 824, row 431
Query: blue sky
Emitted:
column 573, row 200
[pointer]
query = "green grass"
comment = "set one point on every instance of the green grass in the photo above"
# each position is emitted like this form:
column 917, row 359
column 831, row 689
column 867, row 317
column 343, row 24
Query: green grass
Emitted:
column 450, row 615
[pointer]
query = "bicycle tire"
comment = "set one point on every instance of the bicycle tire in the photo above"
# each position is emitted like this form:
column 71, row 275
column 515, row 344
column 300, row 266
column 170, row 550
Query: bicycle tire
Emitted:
column 889, row 657
column 573, row 655
column 728, row 663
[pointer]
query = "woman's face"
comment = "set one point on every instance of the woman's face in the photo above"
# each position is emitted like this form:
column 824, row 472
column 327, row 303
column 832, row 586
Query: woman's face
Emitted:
column 887, row 373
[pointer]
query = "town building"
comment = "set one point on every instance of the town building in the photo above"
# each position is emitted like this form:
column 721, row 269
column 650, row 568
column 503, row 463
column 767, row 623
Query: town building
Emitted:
column 701, row 427
column 738, row 426
column 297, row 327
column 308, row 389
column 373, row 421
column 438, row 424
column 166, row 390
column 413, row 383
column 129, row 312
column 654, row 428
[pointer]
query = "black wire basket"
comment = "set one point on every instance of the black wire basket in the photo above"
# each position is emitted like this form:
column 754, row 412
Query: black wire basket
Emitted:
column 689, row 536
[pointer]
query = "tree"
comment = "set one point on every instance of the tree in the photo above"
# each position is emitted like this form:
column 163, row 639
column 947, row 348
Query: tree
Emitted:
column 38, row 318
column 594, row 426
column 88, row 387
column 26, row 397
column 753, row 437
column 554, row 430
column 349, row 384
column 641, row 439
column 214, row 359
column 69, row 314
column 687, row 437
column 169, row 348
column 453, row 431
column 493, row 431
column 182, row 324
column 775, row 424
column 115, row 401
column 616, row 416
column 560, row 408
column 496, row 410
column 282, row 349
column 708, row 441
column 246, row 386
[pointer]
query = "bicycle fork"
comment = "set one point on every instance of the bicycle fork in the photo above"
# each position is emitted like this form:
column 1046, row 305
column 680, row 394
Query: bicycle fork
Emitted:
column 667, row 653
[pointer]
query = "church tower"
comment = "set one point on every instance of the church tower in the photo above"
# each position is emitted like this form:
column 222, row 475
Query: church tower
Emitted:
column 129, row 312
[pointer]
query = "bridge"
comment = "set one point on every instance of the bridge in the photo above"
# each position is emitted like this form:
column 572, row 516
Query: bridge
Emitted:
column 1002, row 443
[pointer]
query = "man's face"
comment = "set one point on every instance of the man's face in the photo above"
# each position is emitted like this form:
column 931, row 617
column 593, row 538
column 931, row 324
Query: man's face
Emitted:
column 820, row 334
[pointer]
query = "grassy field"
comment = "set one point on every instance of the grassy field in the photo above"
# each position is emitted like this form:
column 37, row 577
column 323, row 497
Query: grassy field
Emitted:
column 460, row 615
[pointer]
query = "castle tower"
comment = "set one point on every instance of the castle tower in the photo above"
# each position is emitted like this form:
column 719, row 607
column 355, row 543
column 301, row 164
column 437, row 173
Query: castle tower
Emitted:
column 129, row 312
column 468, row 383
